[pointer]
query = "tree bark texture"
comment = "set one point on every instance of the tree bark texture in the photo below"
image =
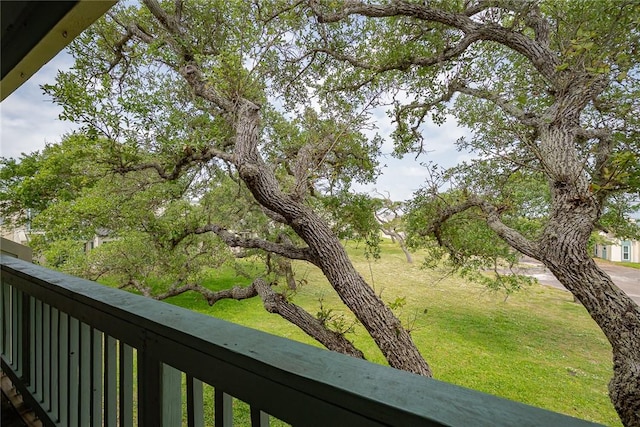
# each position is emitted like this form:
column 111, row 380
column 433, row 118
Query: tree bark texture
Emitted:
column 276, row 303
column 563, row 249
column 324, row 249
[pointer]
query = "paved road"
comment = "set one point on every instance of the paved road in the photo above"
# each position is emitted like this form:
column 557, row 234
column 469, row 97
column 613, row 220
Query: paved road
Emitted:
column 627, row 279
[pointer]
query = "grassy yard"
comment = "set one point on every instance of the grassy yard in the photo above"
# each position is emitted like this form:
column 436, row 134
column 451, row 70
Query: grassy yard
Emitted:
column 629, row 264
column 536, row 347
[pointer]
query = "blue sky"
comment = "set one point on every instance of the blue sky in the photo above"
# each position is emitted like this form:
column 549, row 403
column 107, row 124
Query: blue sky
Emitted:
column 29, row 120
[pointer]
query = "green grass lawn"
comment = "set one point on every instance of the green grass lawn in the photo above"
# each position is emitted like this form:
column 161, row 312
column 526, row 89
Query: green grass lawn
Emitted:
column 629, row 264
column 537, row 347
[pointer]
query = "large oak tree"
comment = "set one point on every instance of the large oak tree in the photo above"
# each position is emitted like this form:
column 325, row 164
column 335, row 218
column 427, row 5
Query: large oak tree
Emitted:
column 187, row 92
column 180, row 98
column 550, row 91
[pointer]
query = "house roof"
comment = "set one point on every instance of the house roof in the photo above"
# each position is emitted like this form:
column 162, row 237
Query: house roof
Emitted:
column 33, row 32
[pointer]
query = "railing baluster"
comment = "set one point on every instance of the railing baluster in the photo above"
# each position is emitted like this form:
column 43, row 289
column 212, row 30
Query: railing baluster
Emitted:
column 37, row 350
column 259, row 418
column 3, row 320
column 24, row 332
column 149, row 389
column 74, row 384
column 46, row 356
column 171, row 396
column 85, row 375
column 30, row 377
column 15, row 332
column 96, row 378
column 7, row 329
column 223, row 409
column 24, row 328
column 63, row 369
column 195, row 403
column 126, row 385
column 55, row 363
column 110, row 378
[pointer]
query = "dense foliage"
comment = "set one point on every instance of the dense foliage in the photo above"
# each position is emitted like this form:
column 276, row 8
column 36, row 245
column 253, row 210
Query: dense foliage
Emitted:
column 216, row 125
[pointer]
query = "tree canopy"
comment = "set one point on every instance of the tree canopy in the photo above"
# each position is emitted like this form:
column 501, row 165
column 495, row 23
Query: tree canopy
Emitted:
column 548, row 89
column 243, row 124
column 207, row 158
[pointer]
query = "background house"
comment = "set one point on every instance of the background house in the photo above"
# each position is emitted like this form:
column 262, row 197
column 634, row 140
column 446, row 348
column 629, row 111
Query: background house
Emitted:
column 15, row 234
column 614, row 249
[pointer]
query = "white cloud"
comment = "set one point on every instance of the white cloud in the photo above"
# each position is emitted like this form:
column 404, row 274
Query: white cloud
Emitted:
column 402, row 177
column 28, row 117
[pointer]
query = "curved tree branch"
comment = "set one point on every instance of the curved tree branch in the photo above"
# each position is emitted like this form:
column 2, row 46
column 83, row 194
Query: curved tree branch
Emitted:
column 405, row 63
column 524, row 117
column 178, row 290
column 167, row 21
column 511, row 236
column 276, row 303
column 492, row 215
column 286, row 249
column 537, row 51
column 189, row 158
column 194, row 76
column 189, row 68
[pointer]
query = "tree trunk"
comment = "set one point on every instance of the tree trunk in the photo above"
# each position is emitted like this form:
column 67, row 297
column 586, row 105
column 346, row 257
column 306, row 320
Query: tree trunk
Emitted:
column 290, row 277
column 619, row 318
column 276, row 303
column 403, row 246
column 397, row 237
column 326, row 250
column 564, row 251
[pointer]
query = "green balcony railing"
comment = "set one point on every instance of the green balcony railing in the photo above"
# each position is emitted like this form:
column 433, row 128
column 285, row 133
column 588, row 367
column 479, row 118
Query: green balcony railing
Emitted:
column 83, row 354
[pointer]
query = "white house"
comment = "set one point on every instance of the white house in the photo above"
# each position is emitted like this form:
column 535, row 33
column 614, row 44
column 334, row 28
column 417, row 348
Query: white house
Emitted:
column 21, row 235
column 101, row 237
column 618, row 250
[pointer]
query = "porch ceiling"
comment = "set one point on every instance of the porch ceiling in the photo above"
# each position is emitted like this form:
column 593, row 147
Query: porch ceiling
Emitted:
column 33, row 32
